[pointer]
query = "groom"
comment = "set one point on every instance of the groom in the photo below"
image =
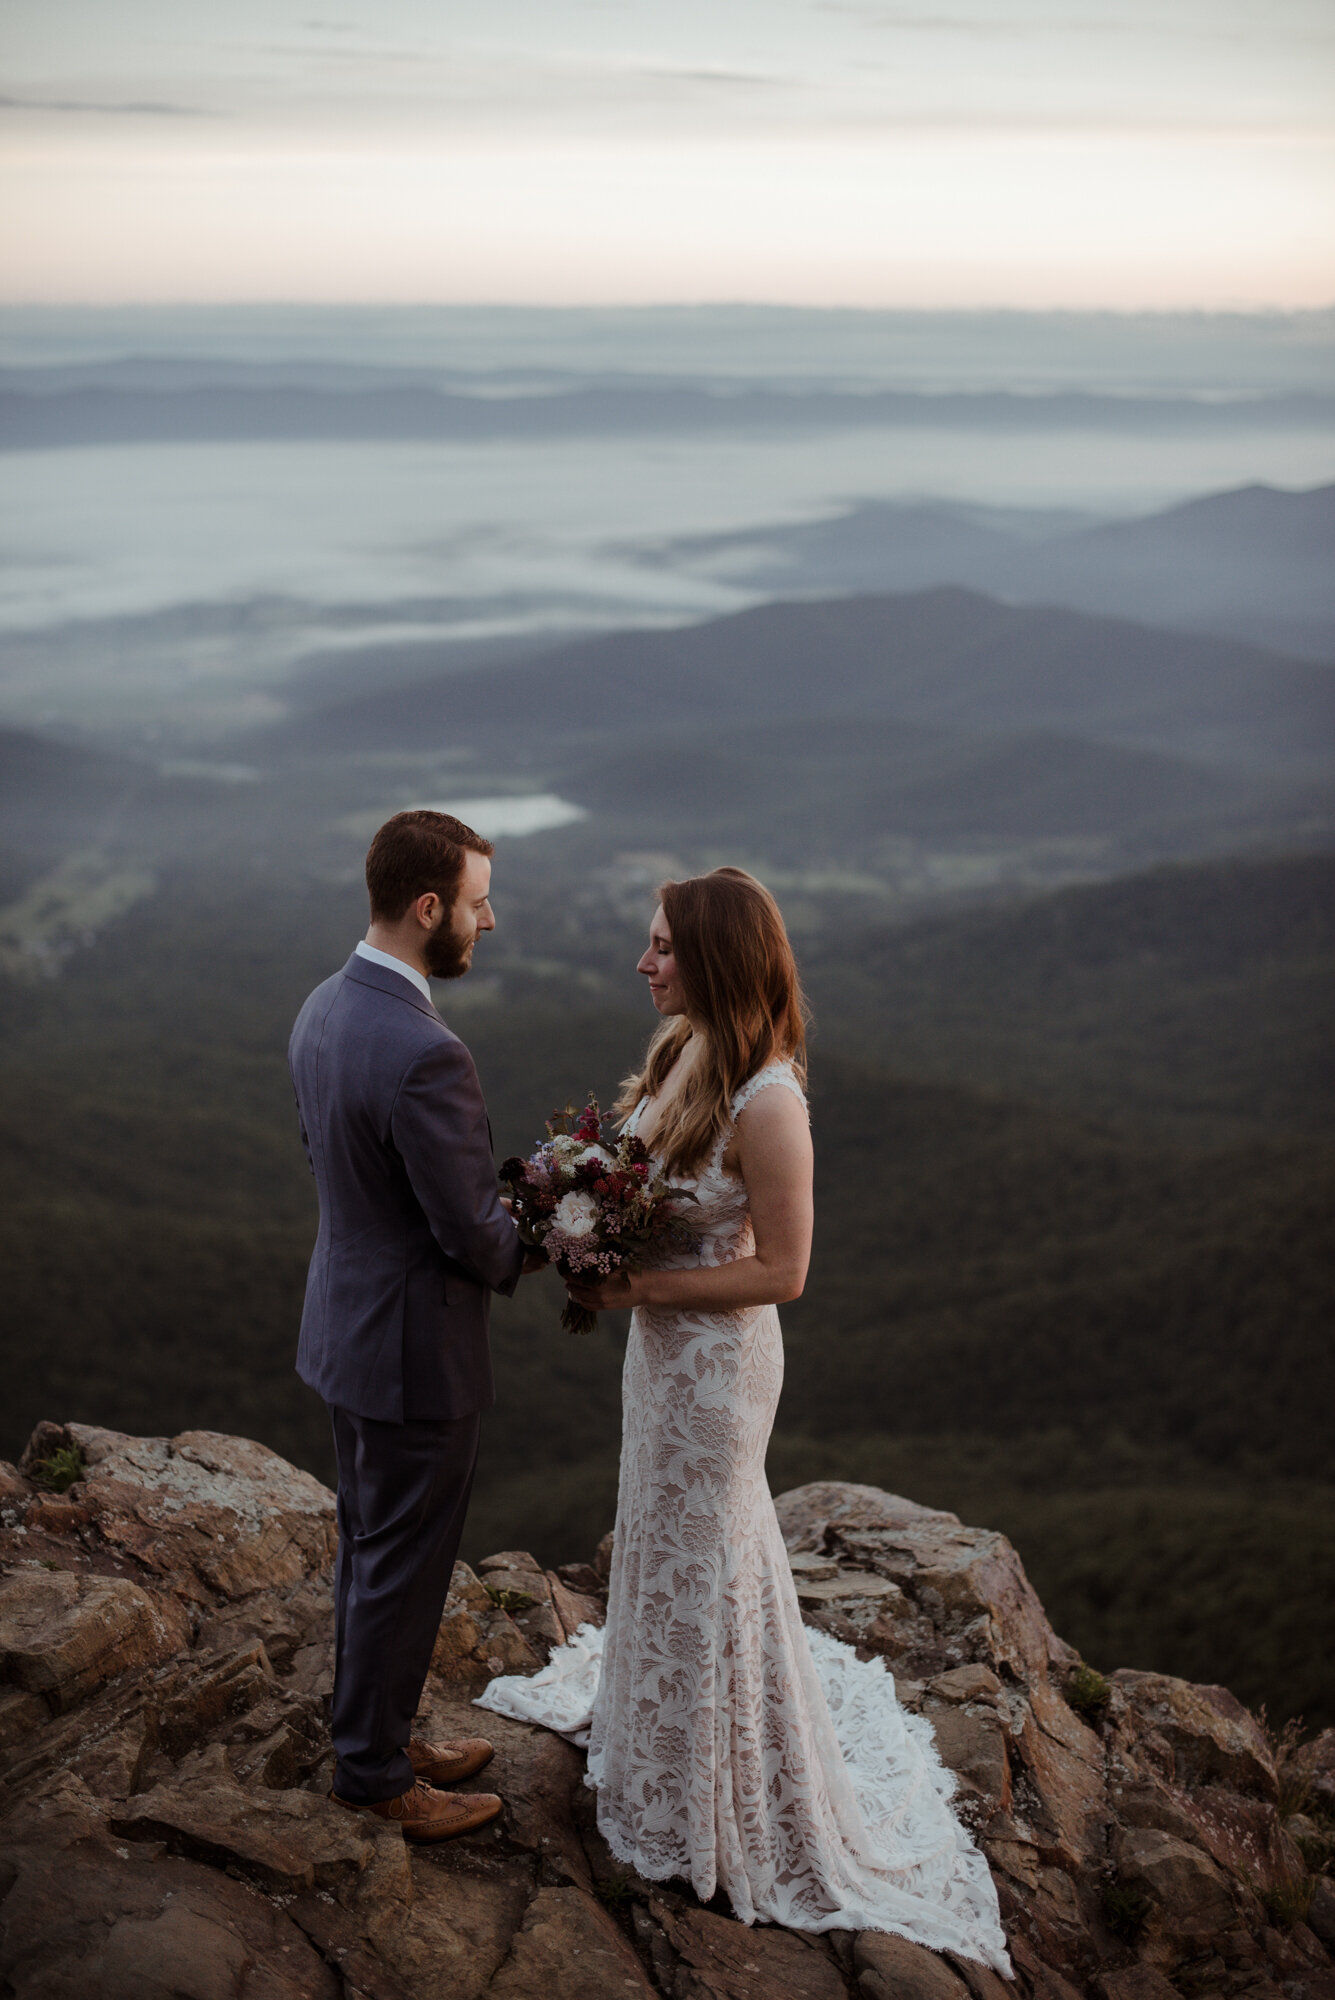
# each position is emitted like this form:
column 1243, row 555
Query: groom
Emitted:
column 412, row 1242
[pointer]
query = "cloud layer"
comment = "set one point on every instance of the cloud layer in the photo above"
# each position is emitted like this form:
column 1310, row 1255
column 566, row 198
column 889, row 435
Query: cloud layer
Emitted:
column 1104, row 151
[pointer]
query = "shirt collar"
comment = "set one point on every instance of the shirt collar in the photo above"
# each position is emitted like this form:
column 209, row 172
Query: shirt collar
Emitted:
column 392, row 964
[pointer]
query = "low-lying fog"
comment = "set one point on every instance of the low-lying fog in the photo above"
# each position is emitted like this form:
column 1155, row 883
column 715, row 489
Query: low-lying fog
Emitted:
column 247, row 555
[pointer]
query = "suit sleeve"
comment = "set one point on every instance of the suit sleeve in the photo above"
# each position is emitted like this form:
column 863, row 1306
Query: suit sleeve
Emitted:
column 439, row 1126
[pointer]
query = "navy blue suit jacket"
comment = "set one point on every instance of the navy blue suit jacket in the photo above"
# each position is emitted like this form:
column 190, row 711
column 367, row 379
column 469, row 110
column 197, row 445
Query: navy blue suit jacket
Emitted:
column 413, row 1239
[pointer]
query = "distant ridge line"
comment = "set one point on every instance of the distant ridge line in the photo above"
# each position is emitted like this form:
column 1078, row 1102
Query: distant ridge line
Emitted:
column 36, row 417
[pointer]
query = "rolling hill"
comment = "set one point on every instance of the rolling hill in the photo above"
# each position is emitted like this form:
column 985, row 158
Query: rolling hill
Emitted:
column 1198, row 997
column 941, row 658
column 823, row 790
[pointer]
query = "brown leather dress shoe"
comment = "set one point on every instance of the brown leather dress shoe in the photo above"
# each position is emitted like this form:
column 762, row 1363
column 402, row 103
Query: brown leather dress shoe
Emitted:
column 425, row 1814
column 449, row 1763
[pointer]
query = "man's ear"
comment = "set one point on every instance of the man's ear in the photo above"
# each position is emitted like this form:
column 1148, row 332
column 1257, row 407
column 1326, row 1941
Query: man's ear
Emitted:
column 427, row 909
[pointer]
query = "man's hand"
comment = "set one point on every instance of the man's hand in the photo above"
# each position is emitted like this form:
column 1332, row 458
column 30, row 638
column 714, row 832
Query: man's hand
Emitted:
column 533, row 1259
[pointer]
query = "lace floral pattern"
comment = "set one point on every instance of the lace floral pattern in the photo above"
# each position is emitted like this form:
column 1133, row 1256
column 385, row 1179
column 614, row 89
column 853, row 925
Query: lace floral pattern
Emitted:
column 727, row 1744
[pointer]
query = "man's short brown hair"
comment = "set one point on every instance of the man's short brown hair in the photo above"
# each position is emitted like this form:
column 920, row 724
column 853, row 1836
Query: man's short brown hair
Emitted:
column 414, row 853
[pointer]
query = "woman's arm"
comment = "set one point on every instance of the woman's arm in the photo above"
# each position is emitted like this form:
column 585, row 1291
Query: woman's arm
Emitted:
column 773, row 1153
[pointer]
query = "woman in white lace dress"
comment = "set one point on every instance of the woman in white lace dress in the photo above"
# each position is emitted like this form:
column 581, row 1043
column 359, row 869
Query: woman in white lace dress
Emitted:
column 727, row 1744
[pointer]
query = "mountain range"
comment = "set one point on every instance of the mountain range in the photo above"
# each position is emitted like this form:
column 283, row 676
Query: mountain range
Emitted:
column 817, row 731
column 937, row 731
column 1254, row 563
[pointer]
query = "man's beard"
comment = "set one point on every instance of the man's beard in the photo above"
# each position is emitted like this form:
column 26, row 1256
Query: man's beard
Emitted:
column 446, row 953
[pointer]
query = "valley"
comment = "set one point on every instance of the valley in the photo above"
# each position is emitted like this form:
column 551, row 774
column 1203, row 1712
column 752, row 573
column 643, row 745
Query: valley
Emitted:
column 1044, row 780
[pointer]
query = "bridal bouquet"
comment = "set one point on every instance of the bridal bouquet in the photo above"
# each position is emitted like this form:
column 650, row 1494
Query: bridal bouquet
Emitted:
column 591, row 1204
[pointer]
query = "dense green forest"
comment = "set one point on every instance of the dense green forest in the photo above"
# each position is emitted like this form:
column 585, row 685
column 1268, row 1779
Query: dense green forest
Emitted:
column 1072, row 1276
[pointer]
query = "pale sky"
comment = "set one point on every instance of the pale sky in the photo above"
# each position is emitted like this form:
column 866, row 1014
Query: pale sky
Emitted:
column 1123, row 153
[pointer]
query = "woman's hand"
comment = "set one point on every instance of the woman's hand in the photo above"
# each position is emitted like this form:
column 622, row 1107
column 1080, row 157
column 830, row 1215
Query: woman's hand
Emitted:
column 614, row 1294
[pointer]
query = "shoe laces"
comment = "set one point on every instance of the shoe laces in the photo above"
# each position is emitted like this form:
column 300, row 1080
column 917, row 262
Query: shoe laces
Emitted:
column 401, row 1807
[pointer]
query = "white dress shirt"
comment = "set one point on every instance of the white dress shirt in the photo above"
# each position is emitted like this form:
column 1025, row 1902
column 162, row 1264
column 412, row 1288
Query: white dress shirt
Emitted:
column 391, row 964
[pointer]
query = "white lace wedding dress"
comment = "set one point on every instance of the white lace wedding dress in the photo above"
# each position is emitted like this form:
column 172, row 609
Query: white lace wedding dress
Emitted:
column 727, row 1743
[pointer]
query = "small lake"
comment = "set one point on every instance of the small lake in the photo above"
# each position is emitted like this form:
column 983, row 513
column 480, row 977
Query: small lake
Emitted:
column 505, row 818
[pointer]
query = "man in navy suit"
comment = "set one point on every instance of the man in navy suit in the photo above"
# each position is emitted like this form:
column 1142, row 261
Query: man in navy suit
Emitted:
column 413, row 1240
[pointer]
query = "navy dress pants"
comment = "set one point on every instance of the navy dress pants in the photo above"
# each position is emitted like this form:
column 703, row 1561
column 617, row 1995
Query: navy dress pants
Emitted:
column 402, row 1496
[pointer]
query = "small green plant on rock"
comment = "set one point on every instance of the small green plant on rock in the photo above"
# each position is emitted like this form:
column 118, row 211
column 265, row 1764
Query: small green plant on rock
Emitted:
column 1086, row 1691
column 1289, row 1903
column 1317, row 1847
column 1292, row 1773
column 60, row 1471
column 510, row 1600
column 1126, row 1912
column 615, row 1894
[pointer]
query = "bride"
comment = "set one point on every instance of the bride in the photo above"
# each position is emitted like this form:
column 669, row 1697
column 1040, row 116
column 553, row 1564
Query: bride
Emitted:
column 727, row 1743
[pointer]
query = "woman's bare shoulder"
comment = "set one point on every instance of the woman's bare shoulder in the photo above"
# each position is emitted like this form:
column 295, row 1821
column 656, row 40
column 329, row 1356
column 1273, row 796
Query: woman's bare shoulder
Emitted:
column 773, row 1092
column 770, row 1129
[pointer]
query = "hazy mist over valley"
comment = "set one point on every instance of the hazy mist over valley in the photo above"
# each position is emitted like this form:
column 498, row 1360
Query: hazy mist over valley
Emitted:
column 209, row 497
column 1002, row 646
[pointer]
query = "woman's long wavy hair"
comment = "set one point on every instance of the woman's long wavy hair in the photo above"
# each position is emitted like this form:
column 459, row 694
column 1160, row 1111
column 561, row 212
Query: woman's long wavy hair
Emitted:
column 740, row 979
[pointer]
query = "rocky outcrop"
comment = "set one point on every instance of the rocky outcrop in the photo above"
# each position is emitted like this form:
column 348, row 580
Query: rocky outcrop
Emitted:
column 165, row 1629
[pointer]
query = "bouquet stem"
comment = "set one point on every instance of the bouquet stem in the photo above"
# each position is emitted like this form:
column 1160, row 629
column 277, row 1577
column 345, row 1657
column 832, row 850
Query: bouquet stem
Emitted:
column 578, row 1319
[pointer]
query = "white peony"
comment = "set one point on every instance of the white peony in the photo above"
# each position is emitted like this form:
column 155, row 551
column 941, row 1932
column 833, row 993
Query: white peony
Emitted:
column 576, row 1214
column 599, row 1153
